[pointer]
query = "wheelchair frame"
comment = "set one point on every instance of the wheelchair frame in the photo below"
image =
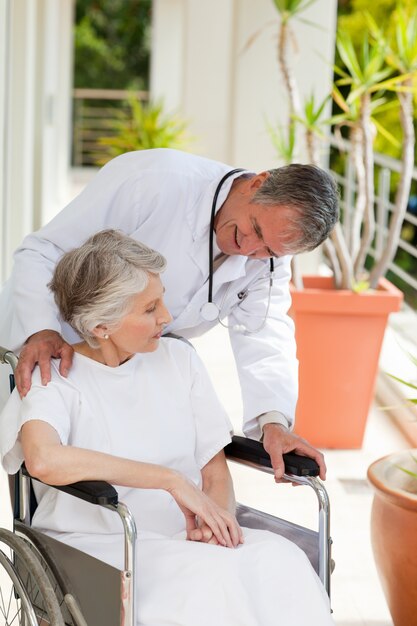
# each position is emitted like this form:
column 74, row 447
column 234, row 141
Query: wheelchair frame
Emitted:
column 244, row 451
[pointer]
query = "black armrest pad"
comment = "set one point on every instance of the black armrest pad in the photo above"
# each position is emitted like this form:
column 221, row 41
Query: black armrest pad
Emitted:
column 93, row 491
column 253, row 451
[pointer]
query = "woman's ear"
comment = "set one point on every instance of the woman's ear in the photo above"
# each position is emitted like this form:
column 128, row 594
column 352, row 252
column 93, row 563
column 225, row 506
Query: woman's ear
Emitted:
column 99, row 331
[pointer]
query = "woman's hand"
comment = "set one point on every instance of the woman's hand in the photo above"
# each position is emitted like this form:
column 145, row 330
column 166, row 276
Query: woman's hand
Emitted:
column 204, row 534
column 214, row 519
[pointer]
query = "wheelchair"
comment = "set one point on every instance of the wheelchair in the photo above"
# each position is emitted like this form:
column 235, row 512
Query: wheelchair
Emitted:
column 46, row 582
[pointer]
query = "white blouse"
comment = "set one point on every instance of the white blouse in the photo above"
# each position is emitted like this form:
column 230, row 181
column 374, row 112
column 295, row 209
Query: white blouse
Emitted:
column 157, row 407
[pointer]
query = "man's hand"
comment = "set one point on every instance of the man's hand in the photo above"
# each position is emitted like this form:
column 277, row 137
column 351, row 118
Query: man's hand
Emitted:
column 41, row 348
column 278, row 440
column 202, row 533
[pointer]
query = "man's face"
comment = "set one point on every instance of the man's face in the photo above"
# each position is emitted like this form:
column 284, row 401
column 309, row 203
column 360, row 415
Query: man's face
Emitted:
column 250, row 229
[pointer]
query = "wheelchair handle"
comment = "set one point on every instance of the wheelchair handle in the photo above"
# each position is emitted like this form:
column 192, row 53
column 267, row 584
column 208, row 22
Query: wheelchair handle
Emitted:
column 8, row 357
column 254, row 452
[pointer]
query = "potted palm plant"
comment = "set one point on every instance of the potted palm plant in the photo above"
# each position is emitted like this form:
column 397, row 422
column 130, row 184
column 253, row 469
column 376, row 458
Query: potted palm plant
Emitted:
column 141, row 127
column 393, row 528
column 340, row 319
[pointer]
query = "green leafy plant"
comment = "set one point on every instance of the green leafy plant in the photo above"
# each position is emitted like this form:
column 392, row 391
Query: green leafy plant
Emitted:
column 283, row 143
column 311, row 118
column 288, row 10
column 112, row 44
column 372, row 78
column 142, row 127
column 413, row 400
column 368, row 75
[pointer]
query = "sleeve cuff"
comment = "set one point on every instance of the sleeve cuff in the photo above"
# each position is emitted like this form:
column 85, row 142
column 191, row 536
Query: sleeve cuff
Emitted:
column 272, row 417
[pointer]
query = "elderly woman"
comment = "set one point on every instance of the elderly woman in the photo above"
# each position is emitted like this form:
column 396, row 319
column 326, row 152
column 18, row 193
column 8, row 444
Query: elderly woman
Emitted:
column 138, row 411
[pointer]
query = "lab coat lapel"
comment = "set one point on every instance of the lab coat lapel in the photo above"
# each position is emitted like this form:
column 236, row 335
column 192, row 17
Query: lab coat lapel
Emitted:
column 231, row 269
column 199, row 222
column 198, row 219
column 199, row 253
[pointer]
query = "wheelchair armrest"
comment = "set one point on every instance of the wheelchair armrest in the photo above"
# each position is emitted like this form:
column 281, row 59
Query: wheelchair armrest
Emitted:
column 92, row 491
column 254, row 452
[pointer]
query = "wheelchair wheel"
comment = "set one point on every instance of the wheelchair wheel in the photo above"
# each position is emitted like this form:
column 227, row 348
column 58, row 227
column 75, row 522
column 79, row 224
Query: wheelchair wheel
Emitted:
column 61, row 586
column 27, row 597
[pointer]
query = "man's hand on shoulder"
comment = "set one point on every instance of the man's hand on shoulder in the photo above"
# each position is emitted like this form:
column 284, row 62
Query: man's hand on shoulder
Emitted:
column 41, row 348
column 278, row 440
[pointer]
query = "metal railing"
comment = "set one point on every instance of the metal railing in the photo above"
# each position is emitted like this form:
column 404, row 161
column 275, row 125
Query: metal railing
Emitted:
column 403, row 269
column 96, row 114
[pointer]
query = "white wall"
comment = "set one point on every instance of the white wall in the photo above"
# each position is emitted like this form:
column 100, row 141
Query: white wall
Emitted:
column 4, row 10
column 35, row 97
column 203, row 68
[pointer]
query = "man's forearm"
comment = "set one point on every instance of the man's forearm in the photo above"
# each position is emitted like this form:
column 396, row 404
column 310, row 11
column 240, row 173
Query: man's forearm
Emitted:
column 27, row 304
column 218, row 484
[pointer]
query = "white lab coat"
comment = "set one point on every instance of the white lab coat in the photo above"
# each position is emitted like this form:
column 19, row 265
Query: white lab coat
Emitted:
column 163, row 198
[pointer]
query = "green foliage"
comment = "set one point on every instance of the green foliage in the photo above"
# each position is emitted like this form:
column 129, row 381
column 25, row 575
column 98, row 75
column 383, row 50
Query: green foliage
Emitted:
column 312, row 114
column 407, row 383
column 143, row 127
column 292, row 7
column 354, row 21
column 112, row 44
column 284, row 142
column 366, row 70
column 413, row 401
column 360, row 286
column 396, row 25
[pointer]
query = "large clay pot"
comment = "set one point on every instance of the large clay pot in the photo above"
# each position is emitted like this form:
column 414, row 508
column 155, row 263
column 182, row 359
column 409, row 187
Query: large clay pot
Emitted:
column 339, row 336
column 394, row 534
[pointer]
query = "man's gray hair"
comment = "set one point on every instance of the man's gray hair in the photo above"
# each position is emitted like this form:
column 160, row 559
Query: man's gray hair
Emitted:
column 313, row 195
column 95, row 283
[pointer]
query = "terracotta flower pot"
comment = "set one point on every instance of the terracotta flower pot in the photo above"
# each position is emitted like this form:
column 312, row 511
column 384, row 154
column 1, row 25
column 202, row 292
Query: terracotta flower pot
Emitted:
column 339, row 336
column 394, row 534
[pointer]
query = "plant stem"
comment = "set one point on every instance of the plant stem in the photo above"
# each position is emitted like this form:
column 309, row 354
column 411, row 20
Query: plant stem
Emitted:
column 354, row 236
column 404, row 185
column 368, row 161
column 343, row 256
column 289, row 80
column 312, row 148
column 330, row 251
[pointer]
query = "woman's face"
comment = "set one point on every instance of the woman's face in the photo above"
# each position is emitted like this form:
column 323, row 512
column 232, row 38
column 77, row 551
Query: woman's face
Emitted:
column 141, row 329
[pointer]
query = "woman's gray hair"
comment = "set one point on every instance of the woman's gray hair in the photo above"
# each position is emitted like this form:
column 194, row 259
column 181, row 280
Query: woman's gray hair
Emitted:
column 313, row 195
column 95, row 283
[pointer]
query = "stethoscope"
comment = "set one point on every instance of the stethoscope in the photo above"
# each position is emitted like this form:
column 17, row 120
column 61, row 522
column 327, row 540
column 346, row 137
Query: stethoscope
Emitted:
column 210, row 311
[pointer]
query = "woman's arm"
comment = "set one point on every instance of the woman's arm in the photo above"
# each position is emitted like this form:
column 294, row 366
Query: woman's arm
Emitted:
column 218, row 485
column 52, row 463
column 55, row 464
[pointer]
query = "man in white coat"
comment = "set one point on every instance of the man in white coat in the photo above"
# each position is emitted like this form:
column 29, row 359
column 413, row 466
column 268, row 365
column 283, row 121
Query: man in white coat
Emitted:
column 164, row 198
